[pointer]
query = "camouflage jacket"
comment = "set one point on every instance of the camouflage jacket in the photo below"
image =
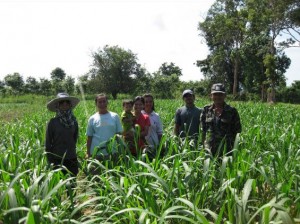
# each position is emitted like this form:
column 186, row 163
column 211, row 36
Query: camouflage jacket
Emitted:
column 220, row 131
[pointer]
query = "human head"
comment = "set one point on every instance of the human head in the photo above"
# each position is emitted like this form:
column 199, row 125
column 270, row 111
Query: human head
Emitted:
column 62, row 102
column 149, row 102
column 138, row 104
column 101, row 102
column 127, row 105
column 188, row 97
column 217, row 93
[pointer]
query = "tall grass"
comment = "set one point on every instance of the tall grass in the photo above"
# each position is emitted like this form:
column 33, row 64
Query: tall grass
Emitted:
column 259, row 184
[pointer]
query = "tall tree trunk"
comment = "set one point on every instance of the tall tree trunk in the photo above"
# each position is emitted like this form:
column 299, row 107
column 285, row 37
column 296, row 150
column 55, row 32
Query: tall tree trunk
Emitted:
column 235, row 76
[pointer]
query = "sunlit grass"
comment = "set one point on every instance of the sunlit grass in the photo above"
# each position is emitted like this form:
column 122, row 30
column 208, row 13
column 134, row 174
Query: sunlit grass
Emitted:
column 261, row 183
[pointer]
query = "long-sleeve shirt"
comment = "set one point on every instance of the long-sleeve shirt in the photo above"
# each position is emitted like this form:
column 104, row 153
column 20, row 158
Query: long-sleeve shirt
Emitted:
column 61, row 141
column 221, row 129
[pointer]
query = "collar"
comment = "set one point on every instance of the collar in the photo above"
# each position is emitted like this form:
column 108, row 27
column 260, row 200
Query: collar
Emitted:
column 225, row 106
column 144, row 112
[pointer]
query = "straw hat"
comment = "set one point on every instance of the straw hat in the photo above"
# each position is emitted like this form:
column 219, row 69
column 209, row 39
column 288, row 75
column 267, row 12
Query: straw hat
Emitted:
column 53, row 104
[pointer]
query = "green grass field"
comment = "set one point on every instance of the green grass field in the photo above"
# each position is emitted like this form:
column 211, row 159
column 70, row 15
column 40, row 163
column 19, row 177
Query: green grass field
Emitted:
column 260, row 184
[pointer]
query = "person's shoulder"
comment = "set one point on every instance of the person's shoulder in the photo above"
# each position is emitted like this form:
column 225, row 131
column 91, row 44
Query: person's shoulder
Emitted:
column 155, row 114
column 208, row 106
column 229, row 107
column 113, row 114
column 198, row 108
column 94, row 116
column 52, row 121
column 145, row 116
column 179, row 109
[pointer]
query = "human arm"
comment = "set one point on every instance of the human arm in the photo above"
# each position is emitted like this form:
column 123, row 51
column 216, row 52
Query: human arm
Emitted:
column 76, row 134
column 89, row 133
column 177, row 122
column 159, row 128
column 119, row 128
column 203, row 126
column 49, row 137
column 88, row 145
column 237, row 127
column 145, row 131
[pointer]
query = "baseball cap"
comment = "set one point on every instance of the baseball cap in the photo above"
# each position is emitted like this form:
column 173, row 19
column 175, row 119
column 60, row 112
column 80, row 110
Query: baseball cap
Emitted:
column 218, row 88
column 187, row 91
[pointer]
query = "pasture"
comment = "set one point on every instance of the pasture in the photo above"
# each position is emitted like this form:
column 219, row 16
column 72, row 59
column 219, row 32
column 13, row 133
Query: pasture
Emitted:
column 260, row 184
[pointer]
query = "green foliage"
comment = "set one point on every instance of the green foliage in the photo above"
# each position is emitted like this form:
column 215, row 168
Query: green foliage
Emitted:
column 164, row 86
column 58, row 74
column 32, row 85
column 290, row 94
column 15, row 83
column 112, row 70
column 45, row 87
column 169, row 69
column 259, row 184
column 245, row 51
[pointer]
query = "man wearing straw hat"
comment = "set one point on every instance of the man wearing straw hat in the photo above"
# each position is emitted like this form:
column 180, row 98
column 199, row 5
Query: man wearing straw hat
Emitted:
column 62, row 133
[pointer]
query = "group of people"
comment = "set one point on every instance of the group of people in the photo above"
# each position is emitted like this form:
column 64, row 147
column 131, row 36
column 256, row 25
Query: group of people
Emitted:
column 140, row 126
column 219, row 122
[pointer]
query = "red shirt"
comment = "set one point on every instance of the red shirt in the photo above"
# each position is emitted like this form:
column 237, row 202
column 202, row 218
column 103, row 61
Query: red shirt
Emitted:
column 143, row 121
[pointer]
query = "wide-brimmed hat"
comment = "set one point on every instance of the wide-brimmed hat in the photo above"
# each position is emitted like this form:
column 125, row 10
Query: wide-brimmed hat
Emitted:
column 218, row 88
column 187, row 91
column 53, row 104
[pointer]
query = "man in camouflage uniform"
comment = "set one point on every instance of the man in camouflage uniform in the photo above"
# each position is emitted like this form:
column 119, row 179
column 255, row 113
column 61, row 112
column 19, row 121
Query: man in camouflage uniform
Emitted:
column 220, row 123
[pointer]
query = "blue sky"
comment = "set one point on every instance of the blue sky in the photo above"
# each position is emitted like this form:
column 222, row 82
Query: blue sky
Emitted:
column 40, row 35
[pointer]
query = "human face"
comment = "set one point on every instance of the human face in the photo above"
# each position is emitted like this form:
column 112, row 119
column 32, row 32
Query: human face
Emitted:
column 102, row 104
column 64, row 105
column 189, row 99
column 218, row 98
column 127, row 107
column 138, row 106
column 148, row 104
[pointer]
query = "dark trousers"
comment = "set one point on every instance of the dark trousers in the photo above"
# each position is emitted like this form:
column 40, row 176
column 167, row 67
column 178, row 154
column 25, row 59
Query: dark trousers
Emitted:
column 70, row 164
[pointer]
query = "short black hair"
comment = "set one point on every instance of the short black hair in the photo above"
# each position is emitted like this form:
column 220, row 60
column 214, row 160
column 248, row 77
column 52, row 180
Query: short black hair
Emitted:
column 124, row 102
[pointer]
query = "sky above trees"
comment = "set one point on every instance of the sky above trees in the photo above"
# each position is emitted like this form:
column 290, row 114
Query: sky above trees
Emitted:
column 38, row 36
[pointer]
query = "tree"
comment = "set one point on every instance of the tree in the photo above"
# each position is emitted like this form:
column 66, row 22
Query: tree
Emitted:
column 142, row 81
column 31, row 85
column 69, row 85
column 58, row 74
column 113, row 69
column 2, row 87
column 241, row 36
column 165, row 86
column 15, row 82
column 273, row 17
column 45, row 87
column 57, row 77
column 83, row 84
column 224, row 31
column 170, row 69
column 290, row 94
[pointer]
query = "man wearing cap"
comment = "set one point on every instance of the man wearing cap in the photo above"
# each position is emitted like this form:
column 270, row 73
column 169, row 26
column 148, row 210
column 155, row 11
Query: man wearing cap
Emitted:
column 187, row 118
column 220, row 123
column 62, row 133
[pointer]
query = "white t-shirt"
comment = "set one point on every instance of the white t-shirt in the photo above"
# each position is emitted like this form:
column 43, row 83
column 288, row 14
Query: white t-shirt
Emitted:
column 155, row 129
column 102, row 127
